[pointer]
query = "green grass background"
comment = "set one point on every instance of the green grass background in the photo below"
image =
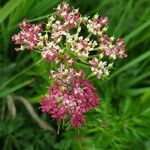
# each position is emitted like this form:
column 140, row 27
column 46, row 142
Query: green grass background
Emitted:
column 120, row 122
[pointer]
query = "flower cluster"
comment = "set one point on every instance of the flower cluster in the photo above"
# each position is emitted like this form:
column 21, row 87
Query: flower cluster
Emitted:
column 62, row 73
column 29, row 36
column 112, row 49
column 50, row 51
column 67, row 39
column 71, row 95
column 70, row 15
column 100, row 68
column 81, row 46
column 97, row 25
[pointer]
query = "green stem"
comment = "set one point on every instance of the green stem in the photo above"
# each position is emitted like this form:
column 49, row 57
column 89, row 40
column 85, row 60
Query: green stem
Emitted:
column 40, row 18
column 90, row 75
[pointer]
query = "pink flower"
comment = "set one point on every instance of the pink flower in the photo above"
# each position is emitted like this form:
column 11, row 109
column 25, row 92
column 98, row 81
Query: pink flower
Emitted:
column 70, row 15
column 100, row 68
column 50, row 51
column 64, row 73
column 111, row 48
column 28, row 37
column 80, row 45
column 58, row 30
column 96, row 24
column 77, row 119
column 73, row 97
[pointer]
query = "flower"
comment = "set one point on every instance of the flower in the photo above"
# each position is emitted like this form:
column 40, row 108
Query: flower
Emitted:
column 111, row 48
column 70, row 15
column 63, row 74
column 50, row 51
column 29, row 36
column 58, row 30
column 100, row 68
column 96, row 25
column 71, row 97
column 81, row 46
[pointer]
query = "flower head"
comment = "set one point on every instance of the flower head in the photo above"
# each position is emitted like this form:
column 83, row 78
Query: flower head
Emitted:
column 73, row 96
column 80, row 45
column 96, row 24
column 29, row 36
column 100, row 68
column 111, row 48
column 50, row 51
column 70, row 15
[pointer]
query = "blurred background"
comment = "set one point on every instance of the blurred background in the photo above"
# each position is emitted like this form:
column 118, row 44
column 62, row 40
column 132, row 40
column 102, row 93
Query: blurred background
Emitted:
column 120, row 122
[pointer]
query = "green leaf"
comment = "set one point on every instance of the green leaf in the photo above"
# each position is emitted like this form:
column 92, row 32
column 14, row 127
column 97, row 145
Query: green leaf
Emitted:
column 15, row 88
column 137, row 31
column 131, row 63
column 43, row 6
column 8, row 9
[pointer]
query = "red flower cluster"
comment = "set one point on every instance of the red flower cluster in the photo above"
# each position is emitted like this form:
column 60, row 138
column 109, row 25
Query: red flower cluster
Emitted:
column 73, row 97
column 29, row 36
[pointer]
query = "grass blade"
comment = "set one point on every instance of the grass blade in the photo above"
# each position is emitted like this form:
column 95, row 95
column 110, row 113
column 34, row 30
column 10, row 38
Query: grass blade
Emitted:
column 10, row 90
column 132, row 63
column 137, row 31
column 8, row 8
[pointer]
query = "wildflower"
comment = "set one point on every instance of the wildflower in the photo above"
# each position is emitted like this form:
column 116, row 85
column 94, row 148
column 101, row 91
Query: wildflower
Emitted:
column 62, row 41
column 70, row 15
column 28, row 37
column 111, row 48
column 74, row 96
column 81, row 46
column 61, row 74
column 96, row 24
column 58, row 30
column 50, row 22
column 50, row 51
column 100, row 68
column 63, row 9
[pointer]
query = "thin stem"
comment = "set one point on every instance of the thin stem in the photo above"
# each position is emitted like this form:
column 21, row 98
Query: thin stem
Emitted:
column 58, row 129
column 89, row 35
column 90, row 75
column 40, row 18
